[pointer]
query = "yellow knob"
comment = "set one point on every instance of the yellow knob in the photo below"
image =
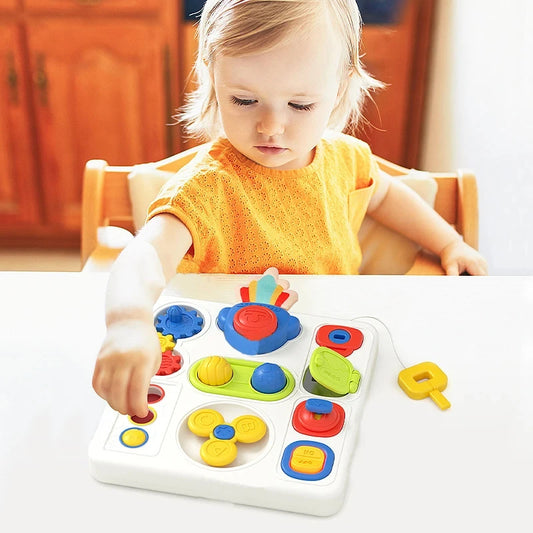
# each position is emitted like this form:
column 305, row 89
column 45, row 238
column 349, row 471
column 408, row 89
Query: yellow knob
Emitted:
column 214, row 370
column 133, row 438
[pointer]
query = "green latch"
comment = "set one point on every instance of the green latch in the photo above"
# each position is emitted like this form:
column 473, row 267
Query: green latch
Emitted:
column 334, row 371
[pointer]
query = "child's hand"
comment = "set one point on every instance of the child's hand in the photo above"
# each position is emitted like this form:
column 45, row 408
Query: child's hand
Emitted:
column 457, row 257
column 129, row 357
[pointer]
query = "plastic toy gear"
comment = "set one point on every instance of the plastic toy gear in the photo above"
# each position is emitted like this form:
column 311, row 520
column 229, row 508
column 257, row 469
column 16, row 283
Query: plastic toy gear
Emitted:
column 166, row 341
column 179, row 322
column 170, row 363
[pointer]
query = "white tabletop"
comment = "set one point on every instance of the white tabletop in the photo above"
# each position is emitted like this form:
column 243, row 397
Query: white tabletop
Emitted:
column 415, row 468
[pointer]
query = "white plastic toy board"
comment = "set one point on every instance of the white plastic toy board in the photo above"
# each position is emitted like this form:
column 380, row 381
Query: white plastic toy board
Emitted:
column 252, row 404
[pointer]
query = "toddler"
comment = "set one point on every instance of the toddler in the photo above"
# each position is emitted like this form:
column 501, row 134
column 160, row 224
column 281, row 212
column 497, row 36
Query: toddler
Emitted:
column 278, row 185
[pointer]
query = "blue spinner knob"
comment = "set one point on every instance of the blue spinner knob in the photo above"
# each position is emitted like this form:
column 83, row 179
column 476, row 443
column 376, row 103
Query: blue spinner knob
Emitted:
column 179, row 322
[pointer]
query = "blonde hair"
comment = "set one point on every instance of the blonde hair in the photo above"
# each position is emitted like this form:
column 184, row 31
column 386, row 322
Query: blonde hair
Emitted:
column 241, row 27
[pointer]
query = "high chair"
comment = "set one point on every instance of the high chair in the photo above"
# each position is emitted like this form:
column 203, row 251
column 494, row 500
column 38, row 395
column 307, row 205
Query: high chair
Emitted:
column 108, row 221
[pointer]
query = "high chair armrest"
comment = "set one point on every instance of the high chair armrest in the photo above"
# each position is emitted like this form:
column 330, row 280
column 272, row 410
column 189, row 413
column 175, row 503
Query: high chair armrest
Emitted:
column 467, row 208
column 111, row 241
column 101, row 259
column 426, row 264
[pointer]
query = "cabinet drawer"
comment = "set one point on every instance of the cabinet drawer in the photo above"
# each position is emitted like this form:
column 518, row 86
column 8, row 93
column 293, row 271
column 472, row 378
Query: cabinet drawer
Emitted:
column 95, row 7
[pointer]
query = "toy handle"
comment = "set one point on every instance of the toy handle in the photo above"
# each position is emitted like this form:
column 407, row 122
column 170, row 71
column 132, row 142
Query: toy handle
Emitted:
column 437, row 396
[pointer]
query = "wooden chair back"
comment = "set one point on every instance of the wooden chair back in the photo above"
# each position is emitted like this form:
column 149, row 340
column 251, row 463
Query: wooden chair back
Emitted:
column 106, row 200
column 456, row 200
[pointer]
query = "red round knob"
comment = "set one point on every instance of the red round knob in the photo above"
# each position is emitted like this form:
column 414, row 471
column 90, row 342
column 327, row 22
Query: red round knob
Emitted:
column 255, row 322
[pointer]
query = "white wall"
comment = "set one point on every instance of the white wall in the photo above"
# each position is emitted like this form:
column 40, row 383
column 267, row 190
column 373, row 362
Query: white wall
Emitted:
column 480, row 116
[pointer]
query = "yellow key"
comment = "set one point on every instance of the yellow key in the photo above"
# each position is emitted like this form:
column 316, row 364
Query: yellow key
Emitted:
column 423, row 380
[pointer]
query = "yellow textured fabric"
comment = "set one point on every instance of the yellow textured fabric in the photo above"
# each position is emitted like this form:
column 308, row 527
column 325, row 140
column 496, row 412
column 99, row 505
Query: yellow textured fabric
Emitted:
column 244, row 217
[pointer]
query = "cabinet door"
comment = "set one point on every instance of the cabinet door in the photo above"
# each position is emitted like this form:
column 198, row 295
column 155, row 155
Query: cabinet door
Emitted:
column 388, row 58
column 99, row 92
column 18, row 191
column 8, row 5
column 398, row 55
column 92, row 6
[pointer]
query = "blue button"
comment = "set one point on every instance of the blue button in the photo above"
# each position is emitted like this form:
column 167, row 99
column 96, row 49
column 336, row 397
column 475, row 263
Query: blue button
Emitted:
column 321, row 407
column 224, row 432
column 339, row 336
column 268, row 378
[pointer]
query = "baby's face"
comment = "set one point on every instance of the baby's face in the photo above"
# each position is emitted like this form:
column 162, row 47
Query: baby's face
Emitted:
column 274, row 106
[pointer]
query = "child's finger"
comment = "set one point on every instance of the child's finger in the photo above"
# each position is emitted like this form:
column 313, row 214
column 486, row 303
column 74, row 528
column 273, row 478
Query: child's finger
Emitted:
column 100, row 381
column 478, row 269
column 118, row 395
column 452, row 269
column 138, row 393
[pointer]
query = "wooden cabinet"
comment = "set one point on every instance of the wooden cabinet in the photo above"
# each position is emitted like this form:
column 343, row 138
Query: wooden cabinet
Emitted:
column 85, row 79
column 109, row 7
column 80, row 79
column 19, row 192
column 398, row 55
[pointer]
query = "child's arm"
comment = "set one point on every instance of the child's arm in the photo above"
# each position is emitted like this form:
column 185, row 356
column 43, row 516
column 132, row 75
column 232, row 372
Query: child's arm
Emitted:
column 131, row 354
column 395, row 205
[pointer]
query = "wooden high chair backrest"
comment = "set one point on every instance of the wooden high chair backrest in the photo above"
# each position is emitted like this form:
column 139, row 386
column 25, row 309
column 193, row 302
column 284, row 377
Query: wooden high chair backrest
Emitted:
column 106, row 199
column 456, row 200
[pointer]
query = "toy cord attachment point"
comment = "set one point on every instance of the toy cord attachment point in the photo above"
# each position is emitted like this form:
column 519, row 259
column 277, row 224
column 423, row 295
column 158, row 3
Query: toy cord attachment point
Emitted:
column 423, row 380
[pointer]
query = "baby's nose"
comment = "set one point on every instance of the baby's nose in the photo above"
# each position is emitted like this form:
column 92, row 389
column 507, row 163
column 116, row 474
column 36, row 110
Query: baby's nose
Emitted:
column 271, row 124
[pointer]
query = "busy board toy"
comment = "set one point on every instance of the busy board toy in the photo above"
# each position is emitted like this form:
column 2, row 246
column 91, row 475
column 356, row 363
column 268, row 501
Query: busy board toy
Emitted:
column 252, row 404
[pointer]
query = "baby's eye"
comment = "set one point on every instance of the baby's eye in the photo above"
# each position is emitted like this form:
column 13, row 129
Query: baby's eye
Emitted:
column 242, row 101
column 302, row 107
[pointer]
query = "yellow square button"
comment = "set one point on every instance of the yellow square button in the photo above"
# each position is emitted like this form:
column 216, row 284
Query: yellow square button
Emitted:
column 307, row 460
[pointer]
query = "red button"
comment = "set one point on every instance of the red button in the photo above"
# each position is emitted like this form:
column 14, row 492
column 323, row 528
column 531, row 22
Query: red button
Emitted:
column 255, row 322
column 143, row 420
column 155, row 393
column 350, row 340
column 318, row 425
